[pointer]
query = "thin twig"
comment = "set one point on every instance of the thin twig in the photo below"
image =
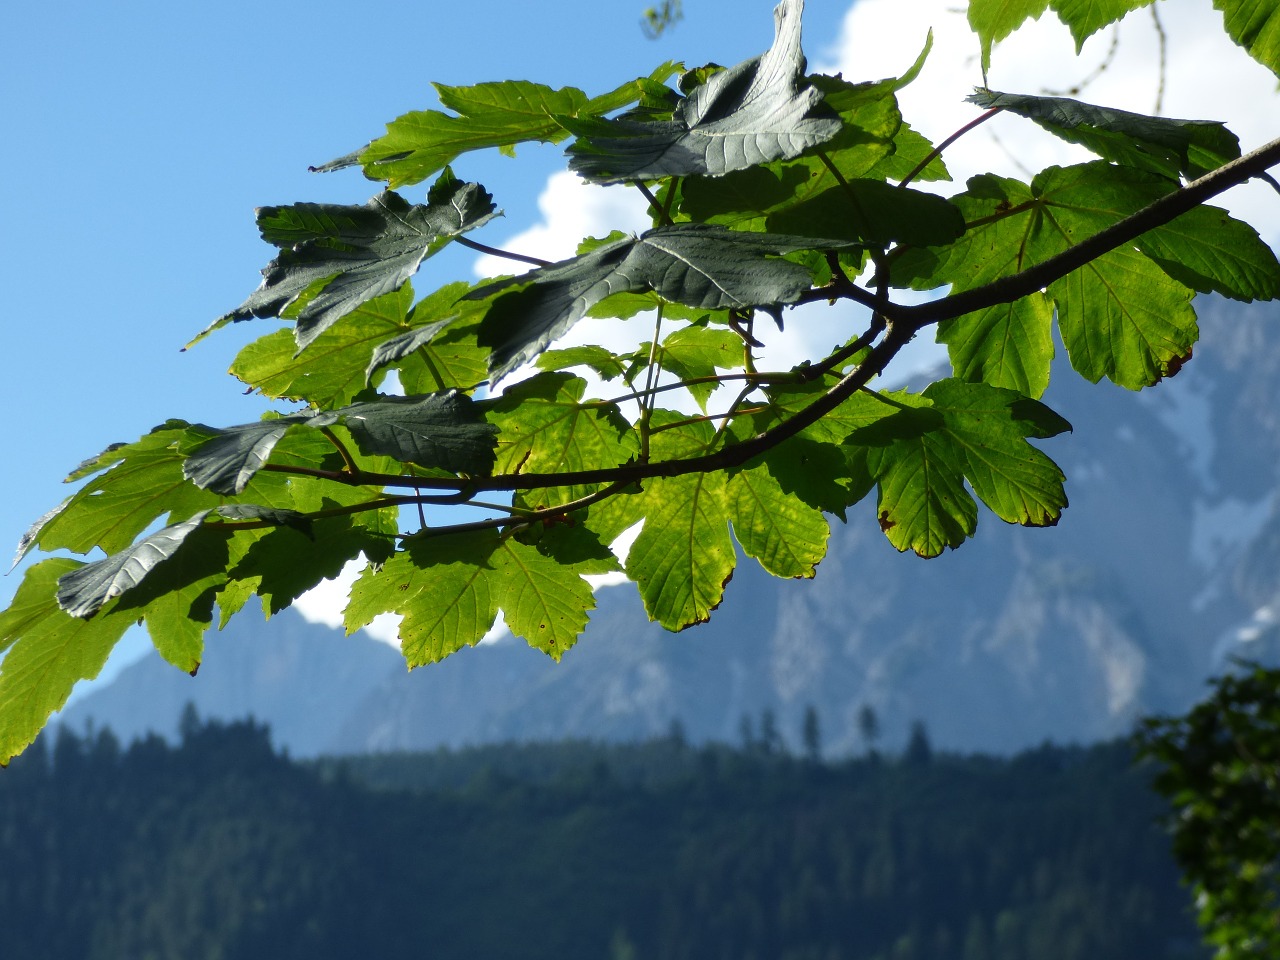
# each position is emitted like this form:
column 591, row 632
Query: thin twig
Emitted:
column 1163, row 40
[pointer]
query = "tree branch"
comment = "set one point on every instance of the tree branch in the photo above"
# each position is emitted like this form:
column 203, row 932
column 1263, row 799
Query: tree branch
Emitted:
column 1156, row 214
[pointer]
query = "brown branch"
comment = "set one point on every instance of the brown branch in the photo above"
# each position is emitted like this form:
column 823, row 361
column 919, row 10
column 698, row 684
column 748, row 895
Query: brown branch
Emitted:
column 1156, row 214
column 901, row 324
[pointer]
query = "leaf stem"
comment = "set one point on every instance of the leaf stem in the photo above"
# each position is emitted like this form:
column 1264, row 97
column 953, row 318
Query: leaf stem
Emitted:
column 342, row 449
column 659, row 211
column 936, row 152
column 505, row 254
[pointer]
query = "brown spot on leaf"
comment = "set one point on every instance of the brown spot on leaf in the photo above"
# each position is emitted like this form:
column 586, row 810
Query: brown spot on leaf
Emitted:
column 885, row 523
column 1174, row 365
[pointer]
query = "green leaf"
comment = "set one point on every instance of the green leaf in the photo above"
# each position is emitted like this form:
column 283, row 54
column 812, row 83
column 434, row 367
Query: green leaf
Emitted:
column 1120, row 318
column 779, row 529
column 284, row 563
column 1210, row 251
column 176, row 598
column 84, row 591
column 337, row 365
column 571, row 544
column 501, row 115
column 541, row 600
column 1157, row 144
column 990, row 426
column 142, row 482
column 334, row 258
column 445, row 430
column 440, row 585
column 605, row 363
column 993, row 20
column 1008, row 345
column 1120, row 315
column 1254, row 25
column 874, row 212
column 707, row 267
column 544, row 427
column 911, row 149
column 449, row 590
column 432, row 345
column 698, row 351
column 1087, row 17
column 758, row 111
column 994, row 245
column 48, row 651
column 683, row 556
column 225, row 460
column 922, row 502
column 922, row 453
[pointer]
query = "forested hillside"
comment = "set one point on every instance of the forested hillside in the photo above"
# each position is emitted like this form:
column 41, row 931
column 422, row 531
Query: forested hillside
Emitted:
column 221, row 848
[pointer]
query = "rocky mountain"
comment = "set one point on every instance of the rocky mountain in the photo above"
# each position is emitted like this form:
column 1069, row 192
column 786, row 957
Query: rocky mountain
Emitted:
column 1166, row 564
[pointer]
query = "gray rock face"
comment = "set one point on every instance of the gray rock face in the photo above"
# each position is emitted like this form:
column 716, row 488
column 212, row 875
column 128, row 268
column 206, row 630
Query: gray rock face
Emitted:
column 1166, row 563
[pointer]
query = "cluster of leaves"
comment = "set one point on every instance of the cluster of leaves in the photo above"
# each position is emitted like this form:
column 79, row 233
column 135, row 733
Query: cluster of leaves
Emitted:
column 769, row 188
column 1220, row 768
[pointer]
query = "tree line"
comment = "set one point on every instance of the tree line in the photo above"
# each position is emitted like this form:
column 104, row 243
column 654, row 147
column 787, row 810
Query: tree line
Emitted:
column 218, row 846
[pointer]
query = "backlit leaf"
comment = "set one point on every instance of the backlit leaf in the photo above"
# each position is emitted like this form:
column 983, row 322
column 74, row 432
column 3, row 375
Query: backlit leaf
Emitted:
column 449, row 590
column 1119, row 315
column 542, row 601
column 336, row 365
column 993, row 20
column 1008, row 345
column 1210, row 251
column 1254, row 25
column 927, row 446
column 142, row 483
column 1087, row 17
column 698, row 351
column 442, row 588
column 779, row 529
column 606, row 364
column 684, row 555
column 544, row 427
column 47, row 652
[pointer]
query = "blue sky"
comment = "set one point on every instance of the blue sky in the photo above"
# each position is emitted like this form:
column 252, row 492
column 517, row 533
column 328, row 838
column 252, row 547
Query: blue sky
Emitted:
column 141, row 135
